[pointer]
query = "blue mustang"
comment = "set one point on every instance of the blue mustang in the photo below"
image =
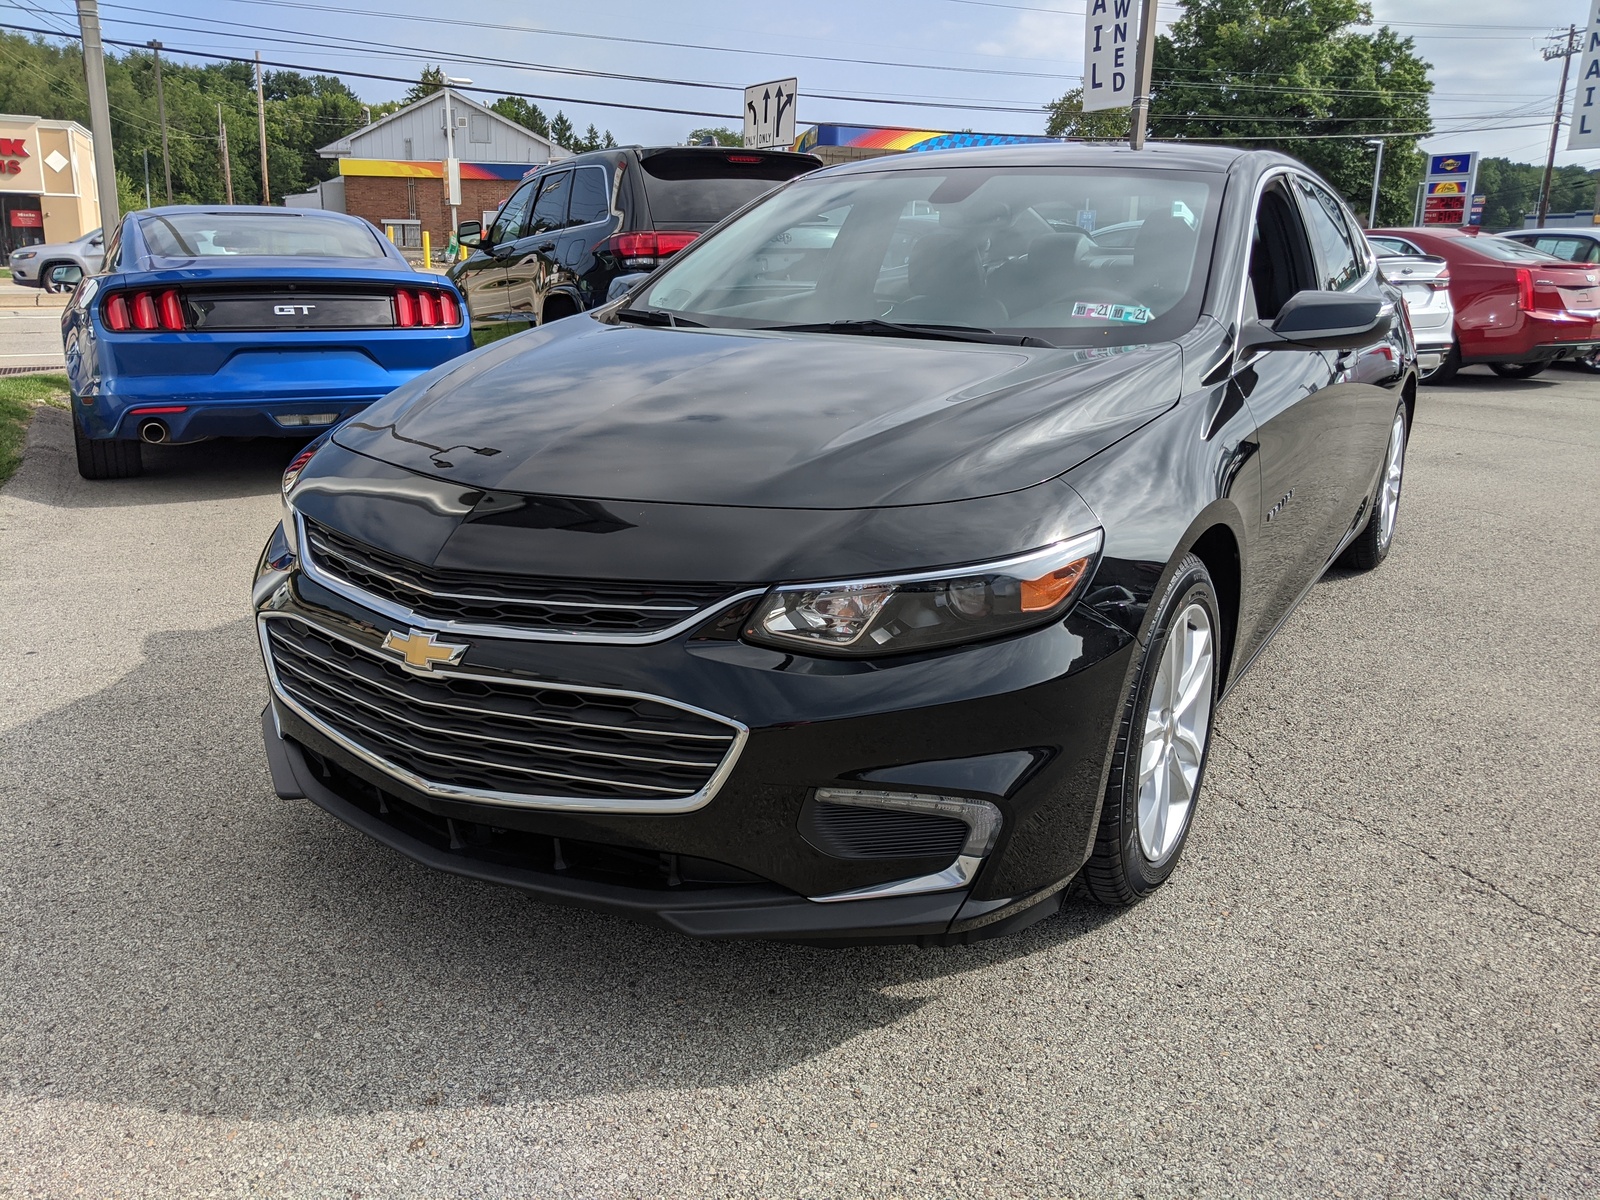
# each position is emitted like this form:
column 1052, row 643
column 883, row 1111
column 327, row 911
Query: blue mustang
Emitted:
column 244, row 322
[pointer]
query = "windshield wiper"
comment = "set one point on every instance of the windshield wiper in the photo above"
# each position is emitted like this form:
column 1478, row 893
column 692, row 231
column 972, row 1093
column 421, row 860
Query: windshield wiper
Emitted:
column 655, row 316
column 948, row 333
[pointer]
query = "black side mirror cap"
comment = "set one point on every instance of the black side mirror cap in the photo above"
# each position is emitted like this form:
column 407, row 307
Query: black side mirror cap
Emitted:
column 470, row 234
column 1320, row 321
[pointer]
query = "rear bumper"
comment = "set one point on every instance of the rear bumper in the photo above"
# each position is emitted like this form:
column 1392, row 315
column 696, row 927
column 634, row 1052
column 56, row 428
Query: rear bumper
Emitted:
column 1537, row 337
column 227, row 418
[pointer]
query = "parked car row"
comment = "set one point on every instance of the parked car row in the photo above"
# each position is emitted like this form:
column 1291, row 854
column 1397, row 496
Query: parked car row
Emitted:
column 1514, row 306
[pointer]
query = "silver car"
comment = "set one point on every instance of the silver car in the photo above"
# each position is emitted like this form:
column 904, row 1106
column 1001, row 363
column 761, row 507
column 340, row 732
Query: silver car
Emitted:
column 30, row 265
column 1424, row 281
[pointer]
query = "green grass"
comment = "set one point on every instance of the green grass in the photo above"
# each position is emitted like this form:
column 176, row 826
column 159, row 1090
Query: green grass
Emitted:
column 5, row 272
column 19, row 396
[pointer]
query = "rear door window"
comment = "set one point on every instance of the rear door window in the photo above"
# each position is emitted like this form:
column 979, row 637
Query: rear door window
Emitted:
column 591, row 199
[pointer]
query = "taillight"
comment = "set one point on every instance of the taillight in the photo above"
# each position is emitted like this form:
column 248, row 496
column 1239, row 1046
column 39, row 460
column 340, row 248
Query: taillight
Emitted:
column 744, row 158
column 648, row 248
column 425, row 308
column 1524, row 289
column 1441, row 283
column 145, row 311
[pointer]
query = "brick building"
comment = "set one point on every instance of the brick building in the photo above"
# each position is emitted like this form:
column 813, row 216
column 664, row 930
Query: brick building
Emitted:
column 392, row 172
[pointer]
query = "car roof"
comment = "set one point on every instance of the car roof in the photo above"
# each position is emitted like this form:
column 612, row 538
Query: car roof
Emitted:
column 315, row 214
column 1155, row 156
column 1553, row 231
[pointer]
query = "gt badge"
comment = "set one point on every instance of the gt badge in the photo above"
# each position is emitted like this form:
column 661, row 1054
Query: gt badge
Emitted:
column 421, row 651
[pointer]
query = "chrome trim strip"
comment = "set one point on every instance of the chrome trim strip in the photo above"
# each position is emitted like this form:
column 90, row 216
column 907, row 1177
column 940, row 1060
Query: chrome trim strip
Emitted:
column 507, row 799
column 499, row 741
column 958, row 874
column 401, row 614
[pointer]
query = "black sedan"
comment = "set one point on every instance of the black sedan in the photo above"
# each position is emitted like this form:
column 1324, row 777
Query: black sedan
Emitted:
column 873, row 571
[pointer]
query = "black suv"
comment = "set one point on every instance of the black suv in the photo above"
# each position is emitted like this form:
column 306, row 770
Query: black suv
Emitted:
column 575, row 225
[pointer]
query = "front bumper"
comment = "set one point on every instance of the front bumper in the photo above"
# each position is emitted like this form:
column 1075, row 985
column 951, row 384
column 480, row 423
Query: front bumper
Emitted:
column 25, row 273
column 1025, row 723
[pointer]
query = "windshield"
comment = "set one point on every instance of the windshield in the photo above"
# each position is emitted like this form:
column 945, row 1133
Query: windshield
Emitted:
column 1005, row 249
column 195, row 235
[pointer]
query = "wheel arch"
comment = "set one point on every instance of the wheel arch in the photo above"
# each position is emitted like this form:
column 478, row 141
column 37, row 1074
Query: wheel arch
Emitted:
column 1217, row 546
column 558, row 304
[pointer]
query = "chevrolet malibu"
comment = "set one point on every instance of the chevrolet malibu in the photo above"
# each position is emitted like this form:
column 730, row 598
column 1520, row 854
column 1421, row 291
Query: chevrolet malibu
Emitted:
column 869, row 592
column 243, row 322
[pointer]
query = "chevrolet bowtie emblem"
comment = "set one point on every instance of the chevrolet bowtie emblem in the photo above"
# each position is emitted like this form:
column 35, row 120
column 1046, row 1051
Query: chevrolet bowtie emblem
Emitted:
column 422, row 651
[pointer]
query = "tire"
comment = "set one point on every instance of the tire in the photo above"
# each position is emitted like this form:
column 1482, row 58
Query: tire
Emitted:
column 1376, row 539
column 1518, row 370
column 106, row 458
column 1445, row 372
column 1143, row 824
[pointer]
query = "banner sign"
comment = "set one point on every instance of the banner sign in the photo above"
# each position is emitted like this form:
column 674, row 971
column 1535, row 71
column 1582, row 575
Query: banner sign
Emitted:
column 1110, row 46
column 1586, row 104
column 1451, row 179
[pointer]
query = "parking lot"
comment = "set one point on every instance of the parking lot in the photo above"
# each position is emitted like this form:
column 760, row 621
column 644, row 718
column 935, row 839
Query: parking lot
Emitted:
column 1376, row 973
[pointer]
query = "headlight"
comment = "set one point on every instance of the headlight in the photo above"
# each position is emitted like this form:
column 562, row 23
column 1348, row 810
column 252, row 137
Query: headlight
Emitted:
column 23, row 254
column 898, row 613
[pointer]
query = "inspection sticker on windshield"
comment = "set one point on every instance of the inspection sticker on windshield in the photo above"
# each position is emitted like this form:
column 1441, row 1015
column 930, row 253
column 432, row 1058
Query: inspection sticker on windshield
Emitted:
column 1134, row 314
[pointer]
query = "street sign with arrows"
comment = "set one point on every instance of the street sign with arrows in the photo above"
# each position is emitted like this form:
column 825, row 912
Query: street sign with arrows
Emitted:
column 769, row 114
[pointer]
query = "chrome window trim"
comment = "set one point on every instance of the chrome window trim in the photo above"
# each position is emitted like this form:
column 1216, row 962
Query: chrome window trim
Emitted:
column 684, row 804
column 400, row 613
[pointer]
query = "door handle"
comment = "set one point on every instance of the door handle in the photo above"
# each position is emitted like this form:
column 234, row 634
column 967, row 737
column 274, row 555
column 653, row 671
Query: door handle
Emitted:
column 546, row 246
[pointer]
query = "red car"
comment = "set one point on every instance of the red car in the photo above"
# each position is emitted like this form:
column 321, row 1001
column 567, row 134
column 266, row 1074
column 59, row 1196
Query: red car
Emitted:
column 1517, row 310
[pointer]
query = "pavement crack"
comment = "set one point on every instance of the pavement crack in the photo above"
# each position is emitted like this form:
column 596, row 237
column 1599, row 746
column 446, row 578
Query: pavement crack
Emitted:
column 1247, row 769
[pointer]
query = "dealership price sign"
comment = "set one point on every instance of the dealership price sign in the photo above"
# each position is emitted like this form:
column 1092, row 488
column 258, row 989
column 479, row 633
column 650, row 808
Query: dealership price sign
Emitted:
column 1586, row 104
column 1110, row 45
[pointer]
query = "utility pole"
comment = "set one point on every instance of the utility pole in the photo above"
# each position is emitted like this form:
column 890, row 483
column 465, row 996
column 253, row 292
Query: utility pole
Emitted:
column 1143, row 71
column 261, row 127
column 1571, row 45
column 94, row 80
column 161, row 106
column 222, row 148
column 147, row 203
column 1377, row 176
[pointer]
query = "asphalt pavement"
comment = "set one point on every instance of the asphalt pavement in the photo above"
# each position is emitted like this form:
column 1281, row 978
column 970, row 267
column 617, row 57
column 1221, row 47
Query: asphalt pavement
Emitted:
column 1375, row 973
column 30, row 328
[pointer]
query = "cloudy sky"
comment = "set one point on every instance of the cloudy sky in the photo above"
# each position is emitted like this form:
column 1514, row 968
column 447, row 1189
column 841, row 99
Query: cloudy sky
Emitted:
column 940, row 64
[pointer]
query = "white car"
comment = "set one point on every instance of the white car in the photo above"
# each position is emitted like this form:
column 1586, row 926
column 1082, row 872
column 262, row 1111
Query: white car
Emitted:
column 30, row 265
column 1424, row 281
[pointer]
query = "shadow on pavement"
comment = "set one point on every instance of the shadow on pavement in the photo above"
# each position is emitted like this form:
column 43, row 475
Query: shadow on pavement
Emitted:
column 180, row 939
column 222, row 469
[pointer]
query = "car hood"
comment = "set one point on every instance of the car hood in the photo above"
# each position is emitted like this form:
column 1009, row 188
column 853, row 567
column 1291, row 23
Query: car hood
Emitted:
column 757, row 418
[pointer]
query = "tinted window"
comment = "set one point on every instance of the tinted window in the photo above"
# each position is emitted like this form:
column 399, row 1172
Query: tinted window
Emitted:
column 696, row 190
column 201, row 234
column 591, row 200
column 1503, row 249
column 967, row 246
column 1341, row 265
column 508, row 224
column 550, row 209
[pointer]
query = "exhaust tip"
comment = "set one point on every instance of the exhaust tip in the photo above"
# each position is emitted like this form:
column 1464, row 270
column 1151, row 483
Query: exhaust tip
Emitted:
column 154, row 432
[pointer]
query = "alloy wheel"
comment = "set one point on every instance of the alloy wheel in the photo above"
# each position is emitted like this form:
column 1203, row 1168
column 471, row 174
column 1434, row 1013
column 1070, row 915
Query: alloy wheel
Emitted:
column 1394, row 468
column 1176, row 726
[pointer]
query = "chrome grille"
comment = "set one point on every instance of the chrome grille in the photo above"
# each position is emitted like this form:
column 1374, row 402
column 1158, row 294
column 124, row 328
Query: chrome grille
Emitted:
column 504, row 603
column 491, row 738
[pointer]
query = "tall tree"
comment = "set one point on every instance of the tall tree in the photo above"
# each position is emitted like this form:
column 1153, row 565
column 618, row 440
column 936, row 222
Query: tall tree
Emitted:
column 1067, row 119
column 529, row 116
column 561, row 131
column 431, row 81
column 720, row 135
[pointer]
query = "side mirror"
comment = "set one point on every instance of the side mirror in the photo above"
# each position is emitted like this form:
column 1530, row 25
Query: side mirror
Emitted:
column 623, row 284
column 1320, row 321
column 67, row 275
column 470, row 234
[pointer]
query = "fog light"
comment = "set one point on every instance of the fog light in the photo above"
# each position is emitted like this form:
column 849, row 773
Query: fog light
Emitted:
column 981, row 818
column 295, row 420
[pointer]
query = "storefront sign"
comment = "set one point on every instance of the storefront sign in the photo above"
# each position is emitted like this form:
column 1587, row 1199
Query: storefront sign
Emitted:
column 12, row 152
column 1586, row 104
column 1108, row 54
column 27, row 218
